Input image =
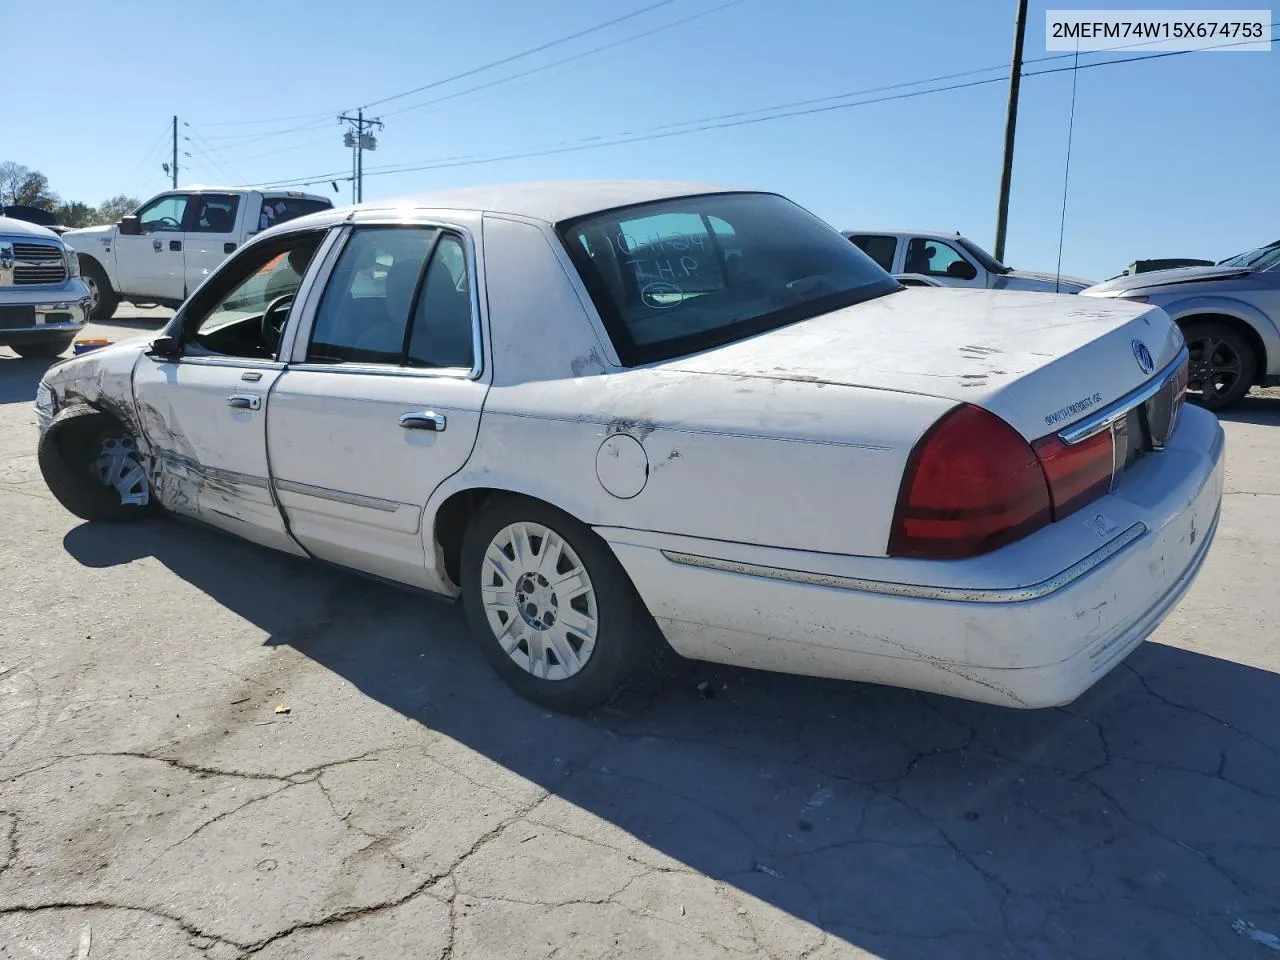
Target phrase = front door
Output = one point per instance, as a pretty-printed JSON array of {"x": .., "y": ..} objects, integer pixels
[
  {"x": 937, "y": 258},
  {"x": 204, "y": 412},
  {"x": 382, "y": 402},
  {"x": 152, "y": 263},
  {"x": 213, "y": 232}
]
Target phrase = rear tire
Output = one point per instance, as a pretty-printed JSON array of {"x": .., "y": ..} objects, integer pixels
[
  {"x": 80, "y": 449},
  {"x": 552, "y": 609},
  {"x": 1222, "y": 364},
  {"x": 102, "y": 299},
  {"x": 52, "y": 347}
]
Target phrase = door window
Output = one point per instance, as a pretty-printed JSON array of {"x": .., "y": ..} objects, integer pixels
[
  {"x": 933, "y": 258},
  {"x": 277, "y": 210},
  {"x": 164, "y": 214},
  {"x": 879, "y": 248},
  {"x": 228, "y": 316},
  {"x": 398, "y": 296},
  {"x": 215, "y": 213}
]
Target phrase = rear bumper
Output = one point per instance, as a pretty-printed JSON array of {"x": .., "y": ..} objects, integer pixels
[{"x": 1031, "y": 643}]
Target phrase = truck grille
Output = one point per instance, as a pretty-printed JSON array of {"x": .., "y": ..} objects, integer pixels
[{"x": 38, "y": 263}]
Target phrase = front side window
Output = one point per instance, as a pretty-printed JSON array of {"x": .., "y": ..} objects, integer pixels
[
  {"x": 164, "y": 214},
  {"x": 879, "y": 248},
  {"x": 399, "y": 296},
  {"x": 242, "y": 310},
  {"x": 216, "y": 213},
  {"x": 676, "y": 276},
  {"x": 933, "y": 258}
]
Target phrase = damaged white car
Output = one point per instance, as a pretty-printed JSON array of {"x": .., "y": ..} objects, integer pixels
[{"x": 618, "y": 416}]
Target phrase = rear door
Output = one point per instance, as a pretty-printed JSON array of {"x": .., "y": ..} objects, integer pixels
[
  {"x": 882, "y": 248},
  {"x": 381, "y": 402},
  {"x": 213, "y": 233}
]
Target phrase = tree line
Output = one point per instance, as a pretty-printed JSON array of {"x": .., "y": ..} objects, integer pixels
[{"x": 22, "y": 186}]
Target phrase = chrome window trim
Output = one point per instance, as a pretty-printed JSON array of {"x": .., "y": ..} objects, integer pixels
[
  {"x": 302, "y": 334},
  {"x": 1103, "y": 419},
  {"x": 1034, "y": 591}
]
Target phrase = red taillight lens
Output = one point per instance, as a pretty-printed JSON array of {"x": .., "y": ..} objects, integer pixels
[
  {"x": 1077, "y": 473},
  {"x": 972, "y": 485}
]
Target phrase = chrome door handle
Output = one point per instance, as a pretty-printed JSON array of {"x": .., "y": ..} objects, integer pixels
[
  {"x": 155, "y": 244},
  {"x": 426, "y": 420},
  {"x": 244, "y": 401}
]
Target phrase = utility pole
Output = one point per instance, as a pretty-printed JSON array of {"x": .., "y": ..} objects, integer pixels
[
  {"x": 359, "y": 141},
  {"x": 175, "y": 151},
  {"x": 1010, "y": 125}
]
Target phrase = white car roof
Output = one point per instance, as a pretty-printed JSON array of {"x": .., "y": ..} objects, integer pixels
[
  {"x": 938, "y": 234},
  {"x": 550, "y": 201}
]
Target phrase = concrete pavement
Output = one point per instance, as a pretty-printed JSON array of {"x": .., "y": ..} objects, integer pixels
[{"x": 154, "y": 803}]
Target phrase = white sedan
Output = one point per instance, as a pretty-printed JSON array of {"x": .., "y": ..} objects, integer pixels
[{"x": 616, "y": 417}]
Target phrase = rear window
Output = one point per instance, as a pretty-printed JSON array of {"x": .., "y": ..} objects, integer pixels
[{"x": 677, "y": 276}]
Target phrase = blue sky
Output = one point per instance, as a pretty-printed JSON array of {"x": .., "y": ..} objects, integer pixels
[{"x": 1174, "y": 157}]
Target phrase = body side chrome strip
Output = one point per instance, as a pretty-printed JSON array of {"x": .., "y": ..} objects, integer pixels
[{"x": 1032, "y": 591}]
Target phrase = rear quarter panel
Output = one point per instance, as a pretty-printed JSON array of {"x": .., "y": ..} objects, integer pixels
[{"x": 783, "y": 463}]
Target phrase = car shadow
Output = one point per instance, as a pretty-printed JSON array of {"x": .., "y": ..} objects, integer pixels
[
  {"x": 1140, "y": 821},
  {"x": 19, "y": 377}
]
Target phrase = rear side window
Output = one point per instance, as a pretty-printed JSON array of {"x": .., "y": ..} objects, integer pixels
[
  {"x": 677, "y": 276},
  {"x": 398, "y": 296},
  {"x": 277, "y": 210},
  {"x": 880, "y": 249}
]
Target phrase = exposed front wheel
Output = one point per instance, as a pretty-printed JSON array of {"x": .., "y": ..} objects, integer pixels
[
  {"x": 551, "y": 607},
  {"x": 47, "y": 348},
  {"x": 1221, "y": 364},
  {"x": 102, "y": 299},
  {"x": 92, "y": 466}
]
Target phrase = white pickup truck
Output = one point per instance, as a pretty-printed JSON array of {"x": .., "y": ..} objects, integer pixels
[
  {"x": 953, "y": 261},
  {"x": 164, "y": 250}
]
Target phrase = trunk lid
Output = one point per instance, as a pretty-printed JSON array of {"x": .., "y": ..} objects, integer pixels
[{"x": 1039, "y": 361}]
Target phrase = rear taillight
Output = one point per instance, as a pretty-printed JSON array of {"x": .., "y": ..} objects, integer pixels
[
  {"x": 1078, "y": 472},
  {"x": 972, "y": 484}
]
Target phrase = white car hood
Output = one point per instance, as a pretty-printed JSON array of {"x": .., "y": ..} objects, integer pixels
[
  {"x": 1039, "y": 361},
  {"x": 9, "y": 227},
  {"x": 84, "y": 238}
]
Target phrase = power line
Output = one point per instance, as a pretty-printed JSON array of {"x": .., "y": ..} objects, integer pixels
[
  {"x": 524, "y": 53},
  {"x": 741, "y": 118},
  {"x": 577, "y": 56},
  {"x": 136, "y": 179},
  {"x": 457, "y": 76}
]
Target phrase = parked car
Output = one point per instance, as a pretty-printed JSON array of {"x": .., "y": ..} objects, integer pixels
[
  {"x": 954, "y": 261},
  {"x": 618, "y": 416},
  {"x": 164, "y": 251},
  {"x": 1229, "y": 314},
  {"x": 43, "y": 304}
]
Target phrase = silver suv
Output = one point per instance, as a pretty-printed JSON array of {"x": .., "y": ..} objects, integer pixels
[
  {"x": 1229, "y": 314},
  {"x": 43, "y": 303}
]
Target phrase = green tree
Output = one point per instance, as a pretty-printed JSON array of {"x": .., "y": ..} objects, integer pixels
[
  {"x": 111, "y": 210},
  {"x": 24, "y": 186},
  {"x": 77, "y": 214}
]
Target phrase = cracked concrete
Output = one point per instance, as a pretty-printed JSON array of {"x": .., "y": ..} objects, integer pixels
[{"x": 154, "y": 804}]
